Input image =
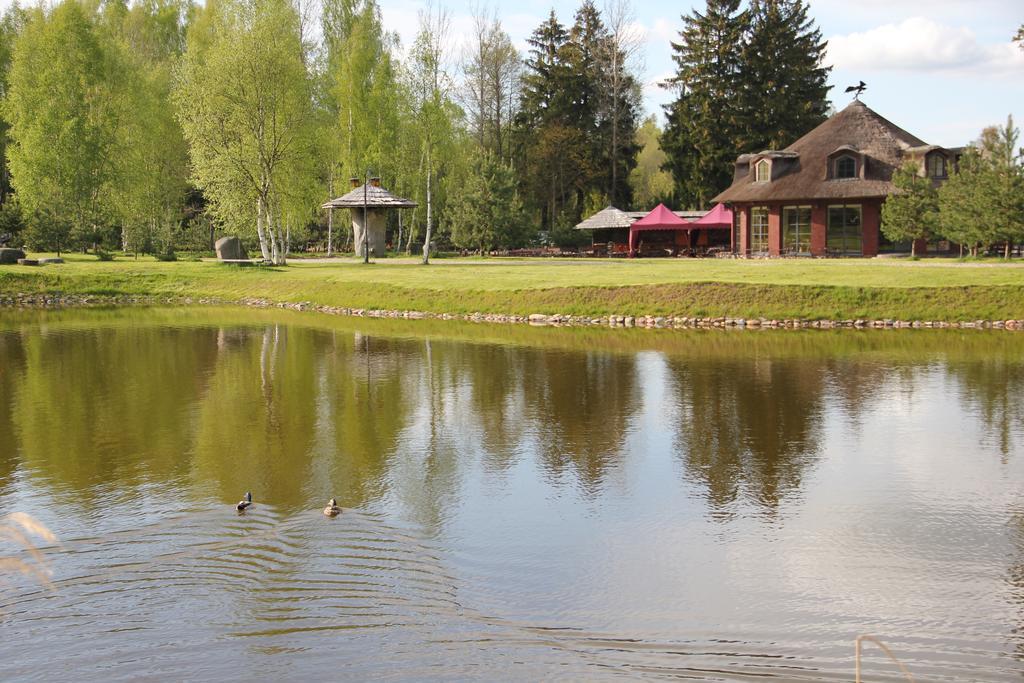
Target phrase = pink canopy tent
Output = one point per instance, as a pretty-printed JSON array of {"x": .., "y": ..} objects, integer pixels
[
  {"x": 658, "y": 219},
  {"x": 718, "y": 217}
]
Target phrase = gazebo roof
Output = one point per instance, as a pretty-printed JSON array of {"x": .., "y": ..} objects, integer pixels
[
  {"x": 374, "y": 197},
  {"x": 608, "y": 217}
]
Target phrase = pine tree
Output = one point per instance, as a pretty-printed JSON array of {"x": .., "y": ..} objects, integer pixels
[
  {"x": 784, "y": 85},
  {"x": 705, "y": 122}
]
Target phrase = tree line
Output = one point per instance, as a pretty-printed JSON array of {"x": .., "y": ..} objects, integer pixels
[
  {"x": 154, "y": 125},
  {"x": 979, "y": 206}
]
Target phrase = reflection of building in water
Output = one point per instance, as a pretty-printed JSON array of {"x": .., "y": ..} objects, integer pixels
[{"x": 748, "y": 429}]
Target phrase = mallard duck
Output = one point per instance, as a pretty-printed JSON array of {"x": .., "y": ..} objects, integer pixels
[
  {"x": 332, "y": 508},
  {"x": 245, "y": 502}
]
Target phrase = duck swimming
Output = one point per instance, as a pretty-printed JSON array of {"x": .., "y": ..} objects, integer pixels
[
  {"x": 332, "y": 508},
  {"x": 245, "y": 502}
]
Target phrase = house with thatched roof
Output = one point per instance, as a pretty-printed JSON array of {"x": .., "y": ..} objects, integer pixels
[{"x": 823, "y": 194}]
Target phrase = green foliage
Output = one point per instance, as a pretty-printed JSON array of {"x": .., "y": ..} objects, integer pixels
[
  {"x": 102, "y": 255},
  {"x": 577, "y": 116},
  {"x": 651, "y": 184},
  {"x": 910, "y": 212},
  {"x": 64, "y": 115},
  {"x": 245, "y": 104},
  {"x": 785, "y": 87},
  {"x": 745, "y": 81},
  {"x": 486, "y": 211},
  {"x": 983, "y": 204},
  {"x": 47, "y": 232},
  {"x": 12, "y": 221}
]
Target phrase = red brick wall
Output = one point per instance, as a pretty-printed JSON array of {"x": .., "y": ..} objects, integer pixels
[
  {"x": 774, "y": 229},
  {"x": 818, "y": 218}
]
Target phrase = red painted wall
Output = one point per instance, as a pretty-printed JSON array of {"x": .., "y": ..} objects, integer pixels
[
  {"x": 818, "y": 218},
  {"x": 775, "y": 230}
]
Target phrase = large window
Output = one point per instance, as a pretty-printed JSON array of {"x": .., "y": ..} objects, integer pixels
[
  {"x": 936, "y": 166},
  {"x": 844, "y": 230},
  {"x": 796, "y": 229},
  {"x": 762, "y": 171},
  {"x": 846, "y": 167},
  {"x": 759, "y": 230}
]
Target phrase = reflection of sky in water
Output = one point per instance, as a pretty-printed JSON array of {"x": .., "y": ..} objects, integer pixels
[{"x": 779, "y": 491}]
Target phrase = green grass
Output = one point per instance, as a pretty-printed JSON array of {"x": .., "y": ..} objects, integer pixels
[{"x": 902, "y": 289}]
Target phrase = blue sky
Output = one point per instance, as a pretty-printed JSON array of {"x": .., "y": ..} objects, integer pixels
[{"x": 941, "y": 69}]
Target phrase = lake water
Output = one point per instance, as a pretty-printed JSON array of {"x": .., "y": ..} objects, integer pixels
[{"x": 520, "y": 504}]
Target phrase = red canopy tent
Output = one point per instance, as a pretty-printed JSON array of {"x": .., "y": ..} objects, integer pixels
[
  {"x": 718, "y": 217},
  {"x": 658, "y": 219}
]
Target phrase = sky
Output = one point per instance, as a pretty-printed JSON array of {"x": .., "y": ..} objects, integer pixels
[{"x": 940, "y": 69}]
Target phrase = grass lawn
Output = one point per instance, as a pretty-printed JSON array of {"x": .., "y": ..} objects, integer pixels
[{"x": 832, "y": 288}]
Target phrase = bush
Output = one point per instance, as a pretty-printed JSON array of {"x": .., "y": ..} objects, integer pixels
[
  {"x": 170, "y": 256},
  {"x": 104, "y": 255}
]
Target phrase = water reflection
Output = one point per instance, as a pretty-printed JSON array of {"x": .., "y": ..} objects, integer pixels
[
  {"x": 582, "y": 501},
  {"x": 749, "y": 428}
]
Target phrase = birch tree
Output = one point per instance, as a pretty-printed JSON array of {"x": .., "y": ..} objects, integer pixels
[
  {"x": 245, "y": 104},
  {"x": 431, "y": 90}
]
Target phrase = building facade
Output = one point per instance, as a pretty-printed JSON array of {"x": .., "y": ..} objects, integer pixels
[{"x": 823, "y": 195}]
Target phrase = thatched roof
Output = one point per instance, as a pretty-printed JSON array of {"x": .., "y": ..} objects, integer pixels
[
  {"x": 375, "y": 197},
  {"x": 800, "y": 172},
  {"x": 610, "y": 217}
]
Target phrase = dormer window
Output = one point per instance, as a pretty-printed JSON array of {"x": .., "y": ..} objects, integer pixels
[
  {"x": 762, "y": 171},
  {"x": 846, "y": 167},
  {"x": 936, "y": 166}
]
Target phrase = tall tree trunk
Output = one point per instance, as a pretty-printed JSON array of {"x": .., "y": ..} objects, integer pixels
[
  {"x": 261, "y": 230},
  {"x": 330, "y": 217},
  {"x": 426, "y": 242}
]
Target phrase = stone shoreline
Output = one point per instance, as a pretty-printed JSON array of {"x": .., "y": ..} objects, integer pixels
[{"x": 536, "y": 319}]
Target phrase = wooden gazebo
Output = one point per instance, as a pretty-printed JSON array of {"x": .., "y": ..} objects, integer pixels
[{"x": 369, "y": 202}]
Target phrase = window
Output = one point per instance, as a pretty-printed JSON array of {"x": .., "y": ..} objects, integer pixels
[
  {"x": 844, "y": 234},
  {"x": 796, "y": 229},
  {"x": 846, "y": 167},
  {"x": 937, "y": 166},
  {"x": 762, "y": 171},
  {"x": 759, "y": 230}
]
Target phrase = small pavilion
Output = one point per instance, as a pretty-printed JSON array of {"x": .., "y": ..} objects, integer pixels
[{"x": 376, "y": 201}]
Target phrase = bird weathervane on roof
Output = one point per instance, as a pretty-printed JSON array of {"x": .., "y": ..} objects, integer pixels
[{"x": 857, "y": 89}]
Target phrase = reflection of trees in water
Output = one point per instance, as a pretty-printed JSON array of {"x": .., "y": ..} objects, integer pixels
[
  {"x": 12, "y": 377},
  {"x": 748, "y": 427},
  {"x": 99, "y": 406},
  {"x": 582, "y": 405},
  {"x": 994, "y": 388}
]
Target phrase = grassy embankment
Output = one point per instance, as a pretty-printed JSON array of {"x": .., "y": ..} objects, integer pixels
[{"x": 834, "y": 289}]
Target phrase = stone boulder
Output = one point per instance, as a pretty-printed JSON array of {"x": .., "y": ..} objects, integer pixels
[
  {"x": 230, "y": 249},
  {"x": 11, "y": 255}
]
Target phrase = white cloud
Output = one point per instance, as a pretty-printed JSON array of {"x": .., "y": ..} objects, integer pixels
[{"x": 920, "y": 44}]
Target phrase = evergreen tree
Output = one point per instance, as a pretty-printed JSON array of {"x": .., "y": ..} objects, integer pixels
[
  {"x": 909, "y": 213},
  {"x": 705, "y": 122},
  {"x": 486, "y": 211},
  {"x": 555, "y": 160},
  {"x": 784, "y": 85}
]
